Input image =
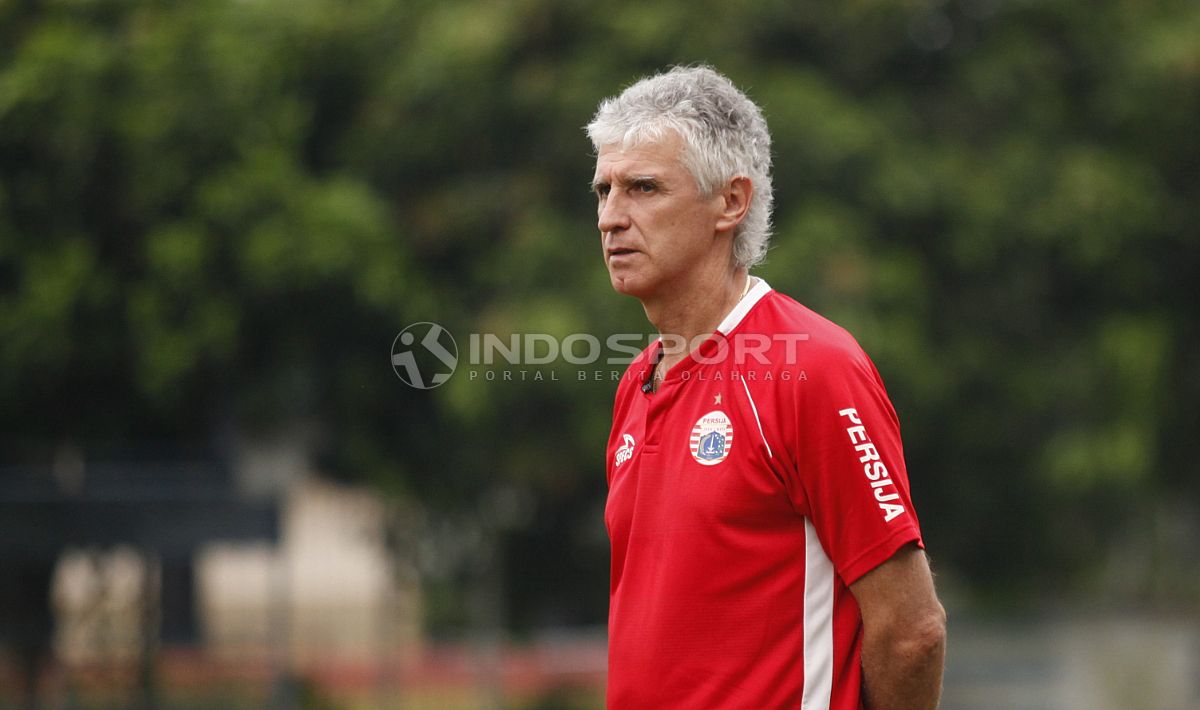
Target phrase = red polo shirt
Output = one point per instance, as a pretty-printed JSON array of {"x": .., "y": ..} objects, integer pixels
[{"x": 762, "y": 478}]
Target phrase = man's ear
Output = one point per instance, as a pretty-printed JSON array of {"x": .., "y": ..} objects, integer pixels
[{"x": 735, "y": 202}]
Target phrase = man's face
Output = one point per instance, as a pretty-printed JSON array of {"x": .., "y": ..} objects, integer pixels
[{"x": 656, "y": 229}]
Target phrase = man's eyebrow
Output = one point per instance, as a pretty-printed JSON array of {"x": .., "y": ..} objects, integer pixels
[{"x": 625, "y": 181}]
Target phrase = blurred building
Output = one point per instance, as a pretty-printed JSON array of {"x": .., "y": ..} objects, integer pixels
[
  {"x": 118, "y": 567},
  {"x": 324, "y": 592}
]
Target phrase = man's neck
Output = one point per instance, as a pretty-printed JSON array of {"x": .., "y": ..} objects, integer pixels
[{"x": 684, "y": 316}]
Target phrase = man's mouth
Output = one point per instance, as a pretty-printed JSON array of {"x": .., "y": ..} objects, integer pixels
[{"x": 621, "y": 251}]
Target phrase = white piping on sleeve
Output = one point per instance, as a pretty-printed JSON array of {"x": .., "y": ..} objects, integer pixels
[{"x": 754, "y": 408}]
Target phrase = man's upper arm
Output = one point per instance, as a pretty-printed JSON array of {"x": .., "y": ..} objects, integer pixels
[{"x": 850, "y": 469}]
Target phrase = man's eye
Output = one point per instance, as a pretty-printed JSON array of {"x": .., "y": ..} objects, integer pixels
[{"x": 645, "y": 187}]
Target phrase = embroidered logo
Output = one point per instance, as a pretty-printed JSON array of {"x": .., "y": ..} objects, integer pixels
[
  {"x": 712, "y": 437},
  {"x": 625, "y": 452}
]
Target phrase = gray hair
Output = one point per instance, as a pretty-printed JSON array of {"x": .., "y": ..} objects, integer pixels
[{"x": 723, "y": 131}]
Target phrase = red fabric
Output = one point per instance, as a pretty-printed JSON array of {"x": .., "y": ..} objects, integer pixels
[{"x": 707, "y": 598}]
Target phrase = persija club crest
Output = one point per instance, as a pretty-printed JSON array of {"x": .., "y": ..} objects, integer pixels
[{"x": 712, "y": 437}]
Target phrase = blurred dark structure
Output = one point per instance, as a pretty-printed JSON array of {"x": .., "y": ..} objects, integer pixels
[{"x": 164, "y": 510}]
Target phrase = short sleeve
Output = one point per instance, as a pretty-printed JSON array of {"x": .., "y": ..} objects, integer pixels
[{"x": 850, "y": 464}]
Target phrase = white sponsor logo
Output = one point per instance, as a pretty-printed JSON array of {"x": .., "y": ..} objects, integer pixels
[{"x": 625, "y": 452}]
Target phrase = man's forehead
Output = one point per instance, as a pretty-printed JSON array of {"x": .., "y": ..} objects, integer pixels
[{"x": 659, "y": 154}]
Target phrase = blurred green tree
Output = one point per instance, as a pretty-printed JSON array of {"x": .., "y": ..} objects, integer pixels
[{"x": 218, "y": 214}]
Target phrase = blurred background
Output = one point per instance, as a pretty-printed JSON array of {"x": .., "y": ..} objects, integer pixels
[{"x": 216, "y": 216}]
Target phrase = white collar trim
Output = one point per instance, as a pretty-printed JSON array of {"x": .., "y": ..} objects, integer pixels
[{"x": 752, "y": 297}]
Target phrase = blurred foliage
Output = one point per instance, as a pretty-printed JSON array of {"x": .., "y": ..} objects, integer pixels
[{"x": 218, "y": 214}]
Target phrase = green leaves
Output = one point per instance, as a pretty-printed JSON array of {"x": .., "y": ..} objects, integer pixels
[{"x": 220, "y": 210}]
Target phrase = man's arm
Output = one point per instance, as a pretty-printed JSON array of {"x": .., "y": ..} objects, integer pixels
[{"x": 904, "y": 633}]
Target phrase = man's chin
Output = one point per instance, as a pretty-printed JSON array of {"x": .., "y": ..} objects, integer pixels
[{"x": 628, "y": 285}]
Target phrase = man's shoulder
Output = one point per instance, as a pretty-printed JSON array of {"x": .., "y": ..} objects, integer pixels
[{"x": 791, "y": 324}]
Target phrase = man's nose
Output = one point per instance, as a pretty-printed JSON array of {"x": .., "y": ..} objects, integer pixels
[{"x": 613, "y": 216}]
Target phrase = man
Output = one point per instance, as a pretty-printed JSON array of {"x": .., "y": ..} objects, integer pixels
[{"x": 765, "y": 551}]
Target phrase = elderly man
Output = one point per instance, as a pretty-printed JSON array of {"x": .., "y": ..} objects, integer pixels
[{"x": 765, "y": 551}]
